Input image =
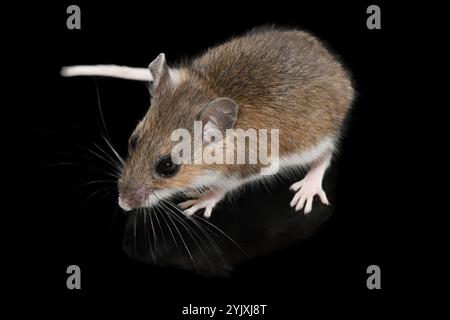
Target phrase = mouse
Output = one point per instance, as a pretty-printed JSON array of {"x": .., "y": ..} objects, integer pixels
[{"x": 284, "y": 79}]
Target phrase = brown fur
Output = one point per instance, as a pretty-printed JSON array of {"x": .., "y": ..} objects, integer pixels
[{"x": 281, "y": 79}]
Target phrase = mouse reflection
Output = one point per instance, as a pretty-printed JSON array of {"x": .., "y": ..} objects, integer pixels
[{"x": 249, "y": 225}]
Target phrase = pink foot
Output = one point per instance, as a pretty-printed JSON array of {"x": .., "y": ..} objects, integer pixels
[
  {"x": 207, "y": 201},
  {"x": 310, "y": 186}
]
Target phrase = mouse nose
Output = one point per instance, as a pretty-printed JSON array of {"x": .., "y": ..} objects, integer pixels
[{"x": 132, "y": 197}]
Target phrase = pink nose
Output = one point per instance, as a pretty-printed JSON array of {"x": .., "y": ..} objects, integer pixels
[{"x": 132, "y": 198}]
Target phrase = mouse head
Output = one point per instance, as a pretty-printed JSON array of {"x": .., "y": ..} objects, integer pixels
[{"x": 180, "y": 97}]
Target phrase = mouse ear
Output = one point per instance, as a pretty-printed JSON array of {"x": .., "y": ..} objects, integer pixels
[
  {"x": 159, "y": 71},
  {"x": 220, "y": 114}
]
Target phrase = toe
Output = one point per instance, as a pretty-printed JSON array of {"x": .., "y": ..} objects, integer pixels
[
  {"x": 295, "y": 198},
  {"x": 187, "y": 204},
  {"x": 301, "y": 203},
  {"x": 207, "y": 212},
  {"x": 308, "y": 206},
  {"x": 323, "y": 198},
  {"x": 296, "y": 186},
  {"x": 189, "y": 212}
]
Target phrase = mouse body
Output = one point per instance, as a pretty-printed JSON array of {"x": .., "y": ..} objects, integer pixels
[{"x": 270, "y": 78}]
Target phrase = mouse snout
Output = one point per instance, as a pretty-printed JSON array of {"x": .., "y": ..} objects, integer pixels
[{"x": 132, "y": 197}]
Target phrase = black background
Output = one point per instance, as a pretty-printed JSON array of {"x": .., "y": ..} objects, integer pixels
[{"x": 64, "y": 229}]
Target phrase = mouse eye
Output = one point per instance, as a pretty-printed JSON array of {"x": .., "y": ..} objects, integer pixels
[
  {"x": 133, "y": 140},
  {"x": 166, "y": 168}
]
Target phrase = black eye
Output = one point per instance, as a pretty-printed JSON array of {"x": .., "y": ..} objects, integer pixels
[
  {"x": 133, "y": 140},
  {"x": 166, "y": 168}
]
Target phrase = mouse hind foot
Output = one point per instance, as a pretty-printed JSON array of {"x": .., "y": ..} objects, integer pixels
[{"x": 310, "y": 186}]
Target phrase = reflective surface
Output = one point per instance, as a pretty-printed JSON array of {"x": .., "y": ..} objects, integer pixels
[{"x": 254, "y": 221}]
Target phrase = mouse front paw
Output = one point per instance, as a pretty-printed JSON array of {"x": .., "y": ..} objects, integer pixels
[{"x": 207, "y": 201}]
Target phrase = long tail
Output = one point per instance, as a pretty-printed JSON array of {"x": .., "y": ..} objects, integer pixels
[{"x": 140, "y": 74}]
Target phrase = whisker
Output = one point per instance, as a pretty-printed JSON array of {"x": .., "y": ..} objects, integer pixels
[
  {"x": 105, "y": 135},
  {"x": 222, "y": 232},
  {"x": 149, "y": 214},
  {"x": 135, "y": 233},
  {"x": 211, "y": 240},
  {"x": 181, "y": 237},
  {"x": 114, "y": 165},
  {"x": 184, "y": 242},
  {"x": 94, "y": 182},
  {"x": 66, "y": 153},
  {"x": 170, "y": 230},
  {"x": 118, "y": 164},
  {"x": 114, "y": 151},
  {"x": 107, "y": 193},
  {"x": 146, "y": 236},
  {"x": 96, "y": 170},
  {"x": 213, "y": 243},
  {"x": 56, "y": 164},
  {"x": 160, "y": 228},
  {"x": 93, "y": 194},
  {"x": 114, "y": 216},
  {"x": 100, "y": 108},
  {"x": 189, "y": 229}
]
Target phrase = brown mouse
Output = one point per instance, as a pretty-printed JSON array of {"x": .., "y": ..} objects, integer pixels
[{"x": 269, "y": 78}]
